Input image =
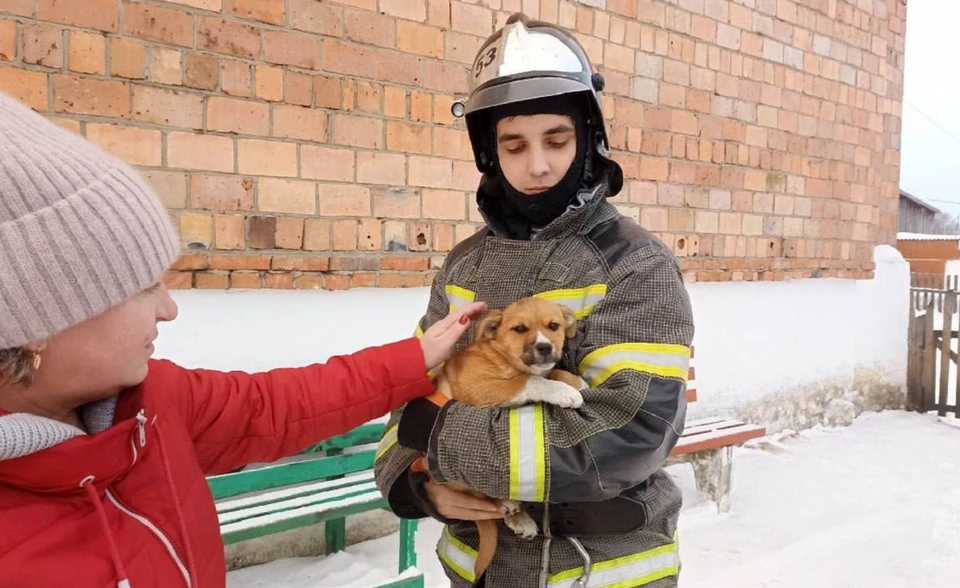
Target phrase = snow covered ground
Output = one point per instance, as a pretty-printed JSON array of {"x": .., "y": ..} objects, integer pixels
[{"x": 873, "y": 505}]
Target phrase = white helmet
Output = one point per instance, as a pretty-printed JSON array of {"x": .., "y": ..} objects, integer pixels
[{"x": 525, "y": 60}]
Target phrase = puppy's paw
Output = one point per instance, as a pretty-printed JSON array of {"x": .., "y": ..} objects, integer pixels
[
  {"x": 566, "y": 396},
  {"x": 509, "y": 507},
  {"x": 583, "y": 385},
  {"x": 522, "y": 525}
]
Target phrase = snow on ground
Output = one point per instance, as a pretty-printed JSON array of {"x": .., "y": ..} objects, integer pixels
[{"x": 874, "y": 505}]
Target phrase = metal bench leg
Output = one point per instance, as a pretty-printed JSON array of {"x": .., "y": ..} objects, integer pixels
[
  {"x": 712, "y": 469},
  {"x": 336, "y": 534}
]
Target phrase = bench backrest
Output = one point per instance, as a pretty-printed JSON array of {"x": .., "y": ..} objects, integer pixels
[{"x": 326, "y": 460}]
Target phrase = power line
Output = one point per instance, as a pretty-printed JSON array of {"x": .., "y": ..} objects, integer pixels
[{"x": 935, "y": 123}]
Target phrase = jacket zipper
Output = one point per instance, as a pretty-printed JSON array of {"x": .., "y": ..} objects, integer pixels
[{"x": 142, "y": 433}]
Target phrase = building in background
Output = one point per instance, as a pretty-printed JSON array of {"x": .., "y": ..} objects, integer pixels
[{"x": 305, "y": 144}]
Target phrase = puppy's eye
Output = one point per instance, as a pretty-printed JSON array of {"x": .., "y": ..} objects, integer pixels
[
  {"x": 553, "y": 326},
  {"x": 520, "y": 329}
]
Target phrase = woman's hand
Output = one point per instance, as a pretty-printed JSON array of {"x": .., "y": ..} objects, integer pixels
[
  {"x": 438, "y": 341},
  {"x": 463, "y": 506}
]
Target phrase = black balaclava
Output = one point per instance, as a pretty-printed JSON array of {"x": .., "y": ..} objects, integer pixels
[{"x": 540, "y": 209}]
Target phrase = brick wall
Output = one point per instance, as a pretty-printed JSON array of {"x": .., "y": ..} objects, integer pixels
[{"x": 308, "y": 143}]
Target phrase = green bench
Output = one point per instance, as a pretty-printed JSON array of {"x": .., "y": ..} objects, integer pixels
[{"x": 330, "y": 482}]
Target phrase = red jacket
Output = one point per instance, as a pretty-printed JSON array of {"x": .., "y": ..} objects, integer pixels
[{"x": 129, "y": 506}]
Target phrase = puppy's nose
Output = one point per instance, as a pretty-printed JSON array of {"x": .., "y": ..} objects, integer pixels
[{"x": 544, "y": 348}]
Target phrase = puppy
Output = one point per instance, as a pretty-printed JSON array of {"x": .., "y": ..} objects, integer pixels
[{"x": 510, "y": 363}]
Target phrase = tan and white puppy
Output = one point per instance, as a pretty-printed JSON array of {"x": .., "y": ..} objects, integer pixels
[{"x": 511, "y": 362}]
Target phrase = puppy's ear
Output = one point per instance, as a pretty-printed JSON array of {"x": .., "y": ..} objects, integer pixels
[
  {"x": 569, "y": 321},
  {"x": 487, "y": 327}
]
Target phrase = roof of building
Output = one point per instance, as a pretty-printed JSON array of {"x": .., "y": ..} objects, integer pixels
[{"x": 918, "y": 202}]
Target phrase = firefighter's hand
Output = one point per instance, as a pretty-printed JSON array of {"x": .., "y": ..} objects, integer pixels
[{"x": 454, "y": 504}]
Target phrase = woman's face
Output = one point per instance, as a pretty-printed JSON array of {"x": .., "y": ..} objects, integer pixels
[
  {"x": 535, "y": 151},
  {"x": 108, "y": 352}
]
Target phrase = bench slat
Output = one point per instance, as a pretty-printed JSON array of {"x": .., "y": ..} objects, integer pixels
[
  {"x": 720, "y": 437},
  {"x": 278, "y": 495},
  {"x": 330, "y": 499},
  {"x": 300, "y": 517},
  {"x": 265, "y": 478}
]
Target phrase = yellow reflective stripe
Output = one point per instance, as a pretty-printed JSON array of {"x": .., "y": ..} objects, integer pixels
[
  {"x": 458, "y": 296},
  {"x": 527, "y": 454},
  {"x": 580, "y": 300},
  {"x": 458, "y": 556},
  {"x": 388, "y": 440},
  {"x": 660, "y": 359},
  {"x": 418, "y": 332},
  {"x": 626, "y": 572}
]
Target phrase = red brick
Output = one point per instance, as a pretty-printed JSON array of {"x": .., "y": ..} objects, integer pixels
[
  {"x": 420, "y": 39},
  {"x": 203, "y": 152},
  {"x": 196, "y": 230},
  {"x": 235, "y": 78},
  {"x": 87, "y": 52},
  {"x": 368, "y": 95},
  {"x": 209, "y": 281},
  {"x": 202, "y": 71},
  {"x": 43, "y": 45},
  {"x": 345, "y": 58},
  {"x": 171, "y": 187},
  {"x": 443, "y": 204},
  {"x": 133, "y": 145},
  {"x": 178, "y": 280},
  {"x": 166, "y": 67},
  {"x": 8, "y": 40},
  {"x": 381, "y": 168},
  {"x": 228, "y": 37},
  {"x": 102, "y": 15},
  {"x": 30, "y": 87},
  {"x": 654, "y": 169},
  {"x": 269, "y": 11},
  {"x": 344, "y": 200},
  {"x": 232, "y": 115},
  {"x": 430, "y": 172},
  {"x": 289, "y": 232},
  {"x": 290, "y": 196},
  {"x": 214, "y": 5},
  {"x": 345, "y": 235},
  {"x": 217, "y": 192},
  {"x": 167, "y": 107},
  {"x": 19, "y": 7},
  {"x": 277, "y": 281},
  {"x": 316, "y": 234},
  {"x": 269, "y": 83},
  {"x": 88, "y": 96},
  {"x": 460, "y": 47},
  {"x": 245, "y": 280},
  {"x": 395, "y": 102},
  {"x": 400, "y": 68},
  {"x": 127, "y": 59},
  {"x": 408, "y": 138},
  {"x": 316, "y": 17},
  {"x": 229, "y": 231},
  {"x": 452, "y": 143},
  {"x": 370, "y": 28},
  {"x": 326, "y": 163},
  {"x": 396, "y": 203},
  {"x": 191, "y": 261},
  {"x": 155, "y": 23},
  {"x": 406, "y": 9},
  {"x": 357, "y": 131},
  {"x": 297, "y": 49},
  {"x": 298, "y": 122},
  {"x": 297, "y": 88},
  {"x": 336, "y": 282},
  {"x": 370, "y": 235}
]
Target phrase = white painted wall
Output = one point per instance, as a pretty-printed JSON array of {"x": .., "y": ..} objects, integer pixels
[{"x": 753, "y": 339}]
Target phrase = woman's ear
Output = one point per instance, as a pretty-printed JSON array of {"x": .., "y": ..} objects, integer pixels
[
  {"x": 487, "y": 327},
  {"x": 570, "y": 321}
]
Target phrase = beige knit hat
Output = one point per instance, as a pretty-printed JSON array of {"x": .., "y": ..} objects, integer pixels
[{"x": 80, "y": 230}]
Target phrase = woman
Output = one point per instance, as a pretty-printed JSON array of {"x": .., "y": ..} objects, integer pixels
[
  {"x": 591, "y": 477},
  {"x": 103, "y": 451}
]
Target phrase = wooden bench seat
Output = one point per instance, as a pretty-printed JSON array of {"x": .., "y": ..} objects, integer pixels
[{"x": 707, "y": 444}]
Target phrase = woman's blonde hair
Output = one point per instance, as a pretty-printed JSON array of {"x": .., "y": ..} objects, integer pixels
[{"x": 16, "y": 366}]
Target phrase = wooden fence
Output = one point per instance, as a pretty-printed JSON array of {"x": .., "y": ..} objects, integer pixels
[{"x": 929, "y": 385}]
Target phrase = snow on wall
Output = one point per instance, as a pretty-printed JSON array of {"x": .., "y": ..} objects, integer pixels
[{"x": 802, "y": 342}]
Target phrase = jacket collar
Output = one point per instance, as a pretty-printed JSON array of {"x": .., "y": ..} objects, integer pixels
[
  {"x": 588, "y": 209},
  {"x": 43, "y": 455}
]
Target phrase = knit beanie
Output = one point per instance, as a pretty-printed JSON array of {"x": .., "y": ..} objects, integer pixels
[{"x": 80, "y": 231}]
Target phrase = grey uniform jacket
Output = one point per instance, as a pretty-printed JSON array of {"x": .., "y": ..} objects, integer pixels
[{"x": 632, "y": 347}]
